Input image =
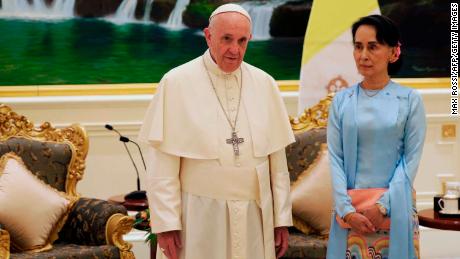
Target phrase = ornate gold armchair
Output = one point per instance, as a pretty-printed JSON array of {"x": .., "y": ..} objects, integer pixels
[
  {"x": 94, "y": 228},
  {"x": 310, "y": 133}
]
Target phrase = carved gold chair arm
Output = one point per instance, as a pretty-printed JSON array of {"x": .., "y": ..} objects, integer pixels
[
  {"x": 117, "y": 226},
  {"x": 4, "y": 244},
  {"x": 313, "y": 117}
]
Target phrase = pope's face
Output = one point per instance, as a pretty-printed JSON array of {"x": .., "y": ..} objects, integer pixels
[{"x": 227, "y": 37}]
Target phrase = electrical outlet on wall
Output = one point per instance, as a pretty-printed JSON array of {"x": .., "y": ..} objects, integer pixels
[{"x": 449, "y": 130}]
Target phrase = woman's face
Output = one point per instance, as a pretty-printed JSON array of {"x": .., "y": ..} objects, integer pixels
[{"x": 371, "y": 57}]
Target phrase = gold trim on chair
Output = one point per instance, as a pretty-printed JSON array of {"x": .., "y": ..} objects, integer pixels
[
  {"x": 314, "y": 117},
  {"x": 117, "y": 226},
  {"x": 4, "y": 244},
  {"x": 15, "y": 125}
]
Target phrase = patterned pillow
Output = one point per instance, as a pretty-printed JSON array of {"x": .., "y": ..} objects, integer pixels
[
  {"x": 31, "y": 211},
  {"x": 311, "y": 193},
  {"x": 304, "y": 150}
]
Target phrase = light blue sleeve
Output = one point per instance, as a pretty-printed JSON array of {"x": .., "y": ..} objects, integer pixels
[
  {"x": 414, "y": 137},
  {"x": 335, "y": 145}
]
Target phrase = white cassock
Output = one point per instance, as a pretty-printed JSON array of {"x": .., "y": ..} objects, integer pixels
[{"x": 226, "y": 206}]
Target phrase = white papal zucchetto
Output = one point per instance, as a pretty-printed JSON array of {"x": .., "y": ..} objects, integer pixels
[{"x": 230, "y": 8}]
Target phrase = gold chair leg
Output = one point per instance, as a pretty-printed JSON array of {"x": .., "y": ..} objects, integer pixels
[
  {"x": 117, "y": 226},
  {"x": 4, "y": 244}
]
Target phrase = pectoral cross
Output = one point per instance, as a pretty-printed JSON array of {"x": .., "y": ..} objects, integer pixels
[{"x": 235, "y": 140}]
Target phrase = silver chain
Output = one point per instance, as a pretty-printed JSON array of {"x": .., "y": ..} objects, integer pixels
[
  {"x": 232, "y": 125},
  {"x": 370, "y": 95}
]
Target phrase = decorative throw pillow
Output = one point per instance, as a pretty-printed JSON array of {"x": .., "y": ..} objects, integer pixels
[
  {"x": 301, "y": 154},
  {"x": 31, "y": 211},
  {"x": 311, "y": 193}
]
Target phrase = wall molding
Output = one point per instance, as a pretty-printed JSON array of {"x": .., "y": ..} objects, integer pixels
[
  {"x": 441, "y": 117},
  {"x": 150, "y": 88},
  {"x": 97, "y": 129}
]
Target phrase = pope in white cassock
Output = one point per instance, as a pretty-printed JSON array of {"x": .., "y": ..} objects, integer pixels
[{"x": 217, "y": 129}]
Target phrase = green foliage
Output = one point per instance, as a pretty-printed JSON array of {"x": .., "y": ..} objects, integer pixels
[
  {"x": 151, "y": 238},
  {"x": 142, "y": 222},
  {"x": 201, "y": 9}
]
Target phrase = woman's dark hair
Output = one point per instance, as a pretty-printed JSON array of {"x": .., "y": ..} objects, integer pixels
[{"x": 386, "y": 33}]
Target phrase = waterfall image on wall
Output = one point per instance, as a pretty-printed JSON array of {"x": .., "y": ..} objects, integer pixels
[
  {"x": 37, "y": 9},
  {"x": 124, "y": 41}
]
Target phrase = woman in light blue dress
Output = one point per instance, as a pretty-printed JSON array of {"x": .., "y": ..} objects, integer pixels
[{"x": 375, "y": 133}]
